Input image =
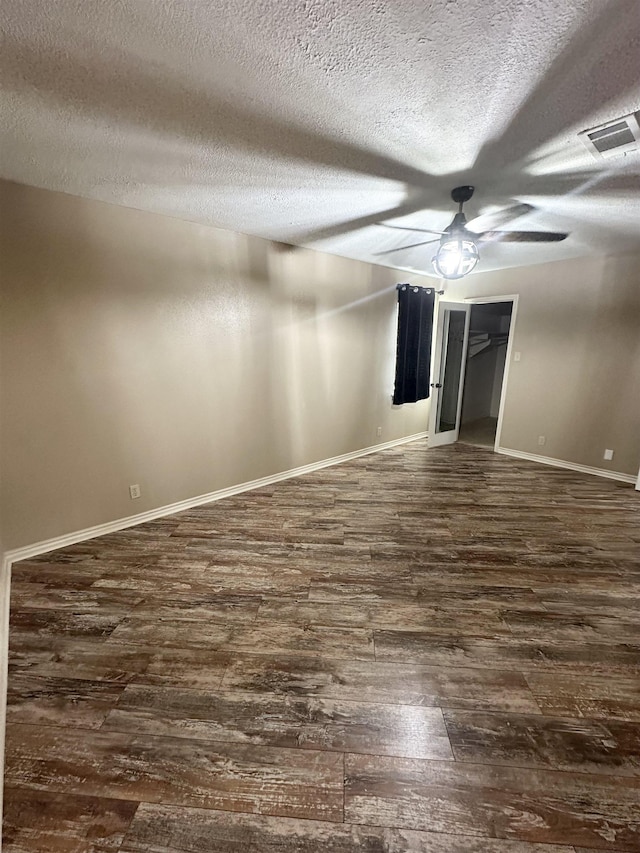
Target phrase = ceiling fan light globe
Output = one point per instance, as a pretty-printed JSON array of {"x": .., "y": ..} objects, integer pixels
[{"x": 456, "y": 258}]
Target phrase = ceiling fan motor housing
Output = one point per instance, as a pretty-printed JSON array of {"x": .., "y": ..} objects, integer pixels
[
  {"x": 462, "y": 194},
  {"x": 457, "y": 254},
  {"x": 458, "y": 224}
]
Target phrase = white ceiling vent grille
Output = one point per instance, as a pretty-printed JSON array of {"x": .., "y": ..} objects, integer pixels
[{"x": 613, "y": 138}]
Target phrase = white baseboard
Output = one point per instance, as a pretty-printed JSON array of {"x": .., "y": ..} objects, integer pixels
[
  {"x": 131, "y": 521},
  {"x": 37, "y": 548},
  {"x": 13, "y": 556},
  {"x": 5, "y": 583},
  {"x": 571, "y": 466}
]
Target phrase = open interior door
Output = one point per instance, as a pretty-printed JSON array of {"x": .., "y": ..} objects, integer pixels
[{"x": 450, "y": 356}]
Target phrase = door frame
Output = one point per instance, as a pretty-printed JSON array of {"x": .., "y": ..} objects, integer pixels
[{"x": 483, "y": 300}]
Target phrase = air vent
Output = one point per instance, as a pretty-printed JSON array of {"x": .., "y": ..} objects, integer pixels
[{"x": 613, "y": 138}]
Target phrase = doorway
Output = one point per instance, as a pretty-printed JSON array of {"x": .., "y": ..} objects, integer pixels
[
  {"x": 471, "y": 354},
  {"x": 489, "y": 326}
]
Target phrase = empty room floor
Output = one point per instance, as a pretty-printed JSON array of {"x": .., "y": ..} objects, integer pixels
[
  {"x": 481, "y": 432},
  {"x": 421, "y": 650}
]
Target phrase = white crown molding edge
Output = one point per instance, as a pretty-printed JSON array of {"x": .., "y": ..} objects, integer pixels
[{"x": 571, "y": 466}]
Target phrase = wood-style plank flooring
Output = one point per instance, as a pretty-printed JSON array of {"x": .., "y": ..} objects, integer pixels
[{"x": 434, "y": 651}]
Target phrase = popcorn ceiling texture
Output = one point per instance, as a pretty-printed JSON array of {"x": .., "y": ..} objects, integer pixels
[{"x": 309, "y": 120}]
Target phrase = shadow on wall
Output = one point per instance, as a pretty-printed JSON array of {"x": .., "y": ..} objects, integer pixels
[
  {"x": 326, "y": 352},
  {"x": 219, "y": 362}
]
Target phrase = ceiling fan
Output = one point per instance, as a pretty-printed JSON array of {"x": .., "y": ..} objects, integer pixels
[{"x": 458, "y": 252}]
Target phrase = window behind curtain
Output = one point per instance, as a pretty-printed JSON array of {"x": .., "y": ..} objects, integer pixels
[{"x": 413, "y": 354}]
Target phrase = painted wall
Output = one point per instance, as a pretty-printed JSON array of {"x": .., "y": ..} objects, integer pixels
[
  {"x": 578, "y": 380},
  {"x": 137, "y": 348}
]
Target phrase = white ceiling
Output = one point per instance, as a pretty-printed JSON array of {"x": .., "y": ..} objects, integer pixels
[{"x": 306, "y": 121}]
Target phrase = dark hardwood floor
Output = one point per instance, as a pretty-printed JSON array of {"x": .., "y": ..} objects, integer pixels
[{"x": 434, "y": 651}]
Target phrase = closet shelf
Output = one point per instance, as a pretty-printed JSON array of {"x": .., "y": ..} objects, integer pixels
[{"x": 484, "y": 341}]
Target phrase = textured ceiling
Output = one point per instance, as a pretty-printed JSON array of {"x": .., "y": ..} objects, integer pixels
[{"x": 307, "y": 121}]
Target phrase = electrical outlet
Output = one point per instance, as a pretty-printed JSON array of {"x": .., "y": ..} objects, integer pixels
[
  {"x": 516, "y": 356},
  {"x": 134, "y": 492},
  {"x": 608, "y": 455},
  {"x": 379, "y": 432},
  {"x": 542, "y": 440}
]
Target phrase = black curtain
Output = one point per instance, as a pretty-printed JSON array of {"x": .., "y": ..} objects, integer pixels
[{"x": 413, "y": 355}]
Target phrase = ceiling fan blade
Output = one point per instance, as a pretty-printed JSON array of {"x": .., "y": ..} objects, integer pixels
[
  {"x": 486, "y": 221},
  {"x": 339, "y": 228},
  {"x": 406, "y": 228},
  {"x": 400, "y": 248},
  {"x": 521, "y": 236}
]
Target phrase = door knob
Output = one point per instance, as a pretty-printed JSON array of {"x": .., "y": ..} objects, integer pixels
[{"x": 436, "y": 385}]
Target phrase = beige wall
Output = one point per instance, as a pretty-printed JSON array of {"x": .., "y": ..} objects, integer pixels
[
  {"x": 578, "y": 380},
  {"x": 137, "y": 348},
  {"x": 142, "y": 349}
]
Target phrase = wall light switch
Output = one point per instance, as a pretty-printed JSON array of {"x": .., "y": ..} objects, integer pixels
[
  {"x": 379, "y": 432},
  {"x": 516, "y": 356},
  {"x": 542, "y": 440},
  {"x": 608, "y": 455},
  {"x": 134, "y": 492}
]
